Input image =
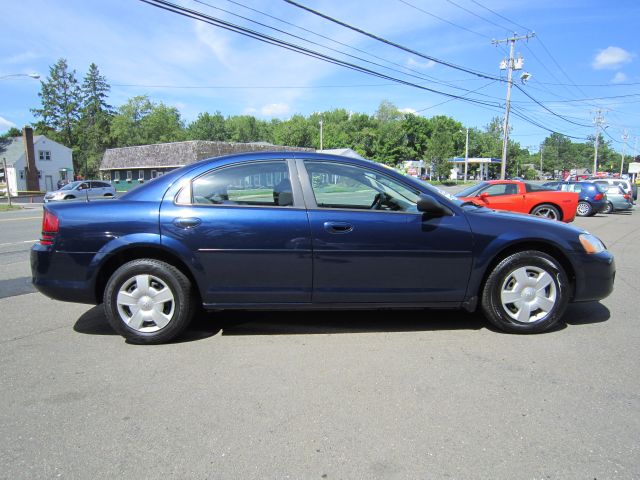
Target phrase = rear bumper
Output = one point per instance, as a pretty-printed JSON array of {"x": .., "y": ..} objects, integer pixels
[
  {"x": 62, "y": 276},
  {"x": 595, "y": 277}
]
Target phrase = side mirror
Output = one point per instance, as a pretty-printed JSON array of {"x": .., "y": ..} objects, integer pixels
[
  {"x": 483, "y": 196},
  {"x": 430, "y": 206}
]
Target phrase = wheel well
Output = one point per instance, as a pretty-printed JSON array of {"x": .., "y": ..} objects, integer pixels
[
  {"x": 550, "y": 204},
  {"x": 135, "y": 253},
  {"x": 551, "y": 250}
]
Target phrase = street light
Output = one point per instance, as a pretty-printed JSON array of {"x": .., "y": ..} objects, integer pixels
[{"x": 35, "y": 76}]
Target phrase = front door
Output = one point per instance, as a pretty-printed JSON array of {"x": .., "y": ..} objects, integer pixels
[
  {"x": 371, "y": 245},
  {"x": 48, "y": 183},
  {"x": 246, "y": 227}
]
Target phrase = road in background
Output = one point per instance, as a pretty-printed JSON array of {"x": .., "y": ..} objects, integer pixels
[{"x": 376, "y": 395}]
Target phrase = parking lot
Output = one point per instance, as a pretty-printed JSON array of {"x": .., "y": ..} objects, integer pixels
[{"x": 403, "y": 394}]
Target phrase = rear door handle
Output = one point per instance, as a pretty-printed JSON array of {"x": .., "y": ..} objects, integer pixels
[
  {"x": 188, "y": 222},
  {"x": 338, "y": 227}
]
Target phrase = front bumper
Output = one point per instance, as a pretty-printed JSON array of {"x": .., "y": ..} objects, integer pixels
[{"x": 595, "y": 276}]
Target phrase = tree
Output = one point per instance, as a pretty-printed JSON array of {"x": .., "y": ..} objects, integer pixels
[
  {"x": 95, "y": 120},
  {"x": 12, "y": 132},
  {"x": 142, "y": 122},
  {"x": 208, "y": 127},
  {"x": 61, "y": 104}
]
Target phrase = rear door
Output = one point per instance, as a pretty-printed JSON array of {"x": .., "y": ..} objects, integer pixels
[{"x": 245, "y": 228}]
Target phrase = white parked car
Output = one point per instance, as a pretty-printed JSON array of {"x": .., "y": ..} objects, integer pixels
[{"x": 82, "y": 190}]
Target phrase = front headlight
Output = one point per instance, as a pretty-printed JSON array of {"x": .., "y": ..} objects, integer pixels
[{"x": 591, "y": 243}]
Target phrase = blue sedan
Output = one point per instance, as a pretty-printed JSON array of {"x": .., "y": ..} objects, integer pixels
[{"x": 288, "y": 230}]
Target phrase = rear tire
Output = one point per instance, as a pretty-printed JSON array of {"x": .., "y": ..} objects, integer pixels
[
  {"x": 608, "y": 208},
  {"x": 527, "y": 292},
  {"x": 148, "y": 301},
  {"x": 547, "y": 210},
  {"x": 584, "y": 209}
]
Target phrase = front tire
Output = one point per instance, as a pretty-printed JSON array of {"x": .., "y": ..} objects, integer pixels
[
  {"x": 527, "y": 292},
  {"x": 148, "y": 301},
  {"x": 584, "y": 209}
]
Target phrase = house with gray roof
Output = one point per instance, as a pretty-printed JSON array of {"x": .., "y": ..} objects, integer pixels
[
  {"x": 128, "y": 167},
  {"x": 36, "y": 163}
]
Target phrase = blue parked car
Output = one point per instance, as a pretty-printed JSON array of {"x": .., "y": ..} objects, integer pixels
[
  {"x": 288, "y": 230},
  {"x": 593, "y": 197}
]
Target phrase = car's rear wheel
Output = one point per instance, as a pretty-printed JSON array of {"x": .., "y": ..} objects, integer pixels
[
  {"x": 148, "y": 301},
  {"x": 547, "y": 211},
  {"x": 608, "y": 208},
  {"x": 527, "y": 292},
  {"x": 584, "y": 209}
]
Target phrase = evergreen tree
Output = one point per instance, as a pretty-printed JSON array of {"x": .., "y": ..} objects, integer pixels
[
  {"x": 94, "y": 121},
  {"x": 61, "y": 104}
]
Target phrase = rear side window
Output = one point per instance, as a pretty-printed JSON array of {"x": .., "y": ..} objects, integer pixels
[{"x": 254, "y": 184}]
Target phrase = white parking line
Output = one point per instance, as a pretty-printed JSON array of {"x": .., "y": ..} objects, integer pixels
[
  {"x": 17, "y": 218},
  {"x": 17, "y": 243}
]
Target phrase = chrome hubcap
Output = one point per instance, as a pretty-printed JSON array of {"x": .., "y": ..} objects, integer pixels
[
  {"x": 547, "y": 213},
  {"x": 145, "y": 303},
  {"x": 583, "y": 208},
  {"x": 528, "y": 294}
]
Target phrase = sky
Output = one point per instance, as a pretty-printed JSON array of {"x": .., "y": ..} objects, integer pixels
[{"x": 582, "y": 59}]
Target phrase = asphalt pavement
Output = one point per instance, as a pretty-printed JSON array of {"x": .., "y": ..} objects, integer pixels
[{"x": 340, "y": 395}]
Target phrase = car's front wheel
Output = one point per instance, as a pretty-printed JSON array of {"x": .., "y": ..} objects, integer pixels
[
  {"x": 527, "y": 292},
  {"x": 148, "y": 301}
]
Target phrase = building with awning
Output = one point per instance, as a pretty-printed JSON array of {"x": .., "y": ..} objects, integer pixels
[{"x": 482, "y": 162}]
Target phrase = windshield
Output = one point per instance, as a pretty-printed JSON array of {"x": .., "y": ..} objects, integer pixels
[{"x": 70, "y": 186}]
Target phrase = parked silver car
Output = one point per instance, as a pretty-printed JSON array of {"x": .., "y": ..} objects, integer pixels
[
  {"x": 617, "y": 199},
  {"x": 624, "y": 183},
  {"x": 82, "y": 190}
]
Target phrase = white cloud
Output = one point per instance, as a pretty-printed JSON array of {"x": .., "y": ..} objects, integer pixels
[
  {"x": 619, "y": 78},
  {"x": 5, "y": 124},
  {"x": 275, "y": 110},
  {"x": 611, "y": 58},
  {"x": 407, "y": 110},
  {"x": 214, "y": 39},
  {"x": 424, "y": 65}
]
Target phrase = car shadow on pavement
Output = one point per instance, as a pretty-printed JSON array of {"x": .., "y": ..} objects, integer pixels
[{"x": 205, "y": 325}]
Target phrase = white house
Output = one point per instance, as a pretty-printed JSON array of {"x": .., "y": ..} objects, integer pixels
[{"x": 53, "y": 162}]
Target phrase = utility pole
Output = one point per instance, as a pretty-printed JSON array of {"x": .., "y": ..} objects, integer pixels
[
  {"x": 6, "y": 180},
  {"x": 625, "y": 136},
  {"x": 541, "y": 149},
  {"x": 598, "y": 120},
  {"x": 510, "y": 65},
  {"x": 320, "y": 133},
  {"x": 466, "y": 156}
]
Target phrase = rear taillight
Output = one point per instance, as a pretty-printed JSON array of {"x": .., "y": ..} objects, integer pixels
[
  {"x": 598, "y": 197},
  {"x": 50, "y": 227}
]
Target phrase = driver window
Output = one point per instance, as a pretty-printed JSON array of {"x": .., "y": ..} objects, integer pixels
[
  {"x": 337, "y": 185},
  {"x": 501, "y": 189}
]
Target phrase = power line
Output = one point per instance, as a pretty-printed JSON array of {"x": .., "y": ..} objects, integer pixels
[
  {"x": 171, "y": 7},
  {"x": 393, "y": 44},
  {"x": 479, "y": 16},
  {"x": 254, "y": 87},
  {"x": 421, "y": 74},
  {"x": 444, "y": 19},
  {"x": 502, "y": 16}
]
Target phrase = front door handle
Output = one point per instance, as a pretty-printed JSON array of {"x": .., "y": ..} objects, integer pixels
[
  {"x": 338, "y": 227},
  {"x": 186, "y": 222}
]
